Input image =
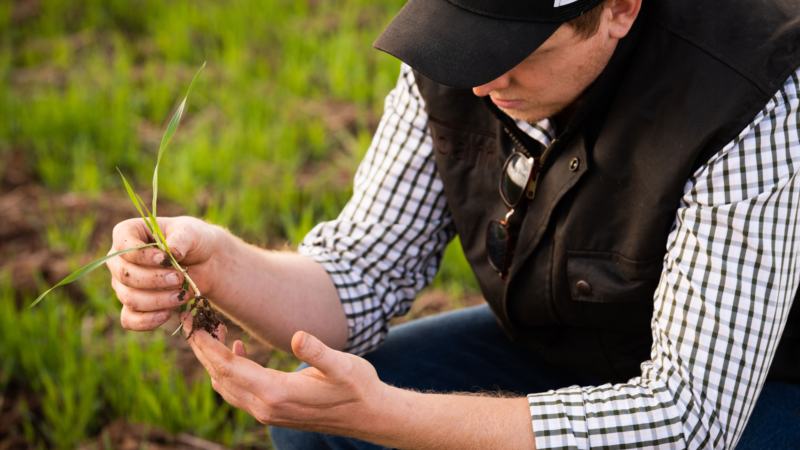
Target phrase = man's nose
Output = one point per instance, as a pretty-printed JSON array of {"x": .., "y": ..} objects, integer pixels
[{"x": 501, "y": 82}]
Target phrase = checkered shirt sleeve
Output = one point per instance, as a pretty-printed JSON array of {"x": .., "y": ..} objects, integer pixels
[
  {"x": 729, "y": 277},
  {"x": 387, "y": 243}
]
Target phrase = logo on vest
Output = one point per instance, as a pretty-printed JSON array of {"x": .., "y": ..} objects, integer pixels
[{"x": 462, "y": 150}]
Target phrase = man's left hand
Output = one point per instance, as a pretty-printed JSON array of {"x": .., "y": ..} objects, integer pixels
[
  {"x": 336, "y": 394},
  {"x": 342, "y": 394}
]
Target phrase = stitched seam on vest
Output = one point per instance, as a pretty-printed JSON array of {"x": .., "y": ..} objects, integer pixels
[
  {"x": 711, "y": 51},
  {"x": 607, "y": 256},
  {"x": 461, "y": 127}
]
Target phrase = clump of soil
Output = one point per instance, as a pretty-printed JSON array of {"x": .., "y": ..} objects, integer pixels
[{"x": 205, "y": 319}]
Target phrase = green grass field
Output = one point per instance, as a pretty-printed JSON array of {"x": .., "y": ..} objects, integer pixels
[{"x": 268, "y": 146}]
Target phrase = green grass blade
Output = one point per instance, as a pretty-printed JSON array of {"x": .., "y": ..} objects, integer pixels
[
  {"x": 147, "y": 217},
  {"x": 134, "y": 199},
  {"x": 154, "y": 228},
  {"x": 86, "y": 269},
  {"x": 158, "y": 231},
  {"x": 173, "y": 125},
  {"x": 159, "y": 237}
]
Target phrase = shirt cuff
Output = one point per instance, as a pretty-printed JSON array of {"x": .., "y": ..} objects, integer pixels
[{"x": 366, "y": 329}]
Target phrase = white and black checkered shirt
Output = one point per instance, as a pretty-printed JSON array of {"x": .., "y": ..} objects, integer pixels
[{"x": 727, "y": 285}]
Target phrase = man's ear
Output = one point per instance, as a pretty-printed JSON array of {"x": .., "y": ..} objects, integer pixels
[{"x": 620, "y": 15}]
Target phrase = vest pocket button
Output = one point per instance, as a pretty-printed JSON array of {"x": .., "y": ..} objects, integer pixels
[
  {"x": 574, "y": 164},
  {"x": 584, "y": 288}
]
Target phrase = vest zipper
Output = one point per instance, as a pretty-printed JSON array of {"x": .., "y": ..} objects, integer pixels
[
  {"x": 545, "y": 154},
  {"x": 538, "y": 163},
  {"x": 517, "y": 141}
]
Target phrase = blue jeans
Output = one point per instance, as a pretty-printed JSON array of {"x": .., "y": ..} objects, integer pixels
[{"x": 466, "y": 350}]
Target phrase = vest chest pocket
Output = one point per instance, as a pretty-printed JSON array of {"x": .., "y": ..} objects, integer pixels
[
  {"x": 458, "y": 142},
  {"x": 610, "y": 278}
]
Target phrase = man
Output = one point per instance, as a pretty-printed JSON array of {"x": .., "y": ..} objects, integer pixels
[{"x": 644, "y": 234}]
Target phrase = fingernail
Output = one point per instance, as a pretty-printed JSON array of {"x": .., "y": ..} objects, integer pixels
[
  {"x": 175, "y": 253},
  {"x": 186, "y": 321},
  {"x": 239, "y": 349},
  {"x": 179, "y": 297},
  {"x": 158, "y": 258},
  {"x": 304, "y": 342},
  {"x": 173, "y": 279}
]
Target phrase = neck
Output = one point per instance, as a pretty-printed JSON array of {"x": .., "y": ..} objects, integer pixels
[{"x": 561, "y": 119}]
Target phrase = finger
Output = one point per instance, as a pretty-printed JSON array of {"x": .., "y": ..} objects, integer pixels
[
  {"x": 134, "y": 233},
  {"x": 239, "y": 349},
  {"x": 221, "y": 332},
  {"x": 187, "y": 328},
  {"x": 312, "y": 351},
  {"x": 186, "y": 321},
  {"x": 140, "y": 277},
  {"x": 237, "y": 402},
  {"x": 142, "y": 321},
  {"x": 235, "y": 394},
  {"x": 227, "y": 368},
  {"x": 149, "y": 300}
]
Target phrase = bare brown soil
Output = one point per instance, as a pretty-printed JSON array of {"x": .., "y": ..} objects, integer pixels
[
  {"x": 27, "y": 210},
  {"x": 121, "y": 435}
]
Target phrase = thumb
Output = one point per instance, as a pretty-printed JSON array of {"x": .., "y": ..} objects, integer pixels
[
  {"x": 175, "y": 241},
  {"x": 175, "y": 249},
  {"x": 313, "y": 352},
  {"x": 176, "y": 244},
  {"x": 191, "y": 241}
]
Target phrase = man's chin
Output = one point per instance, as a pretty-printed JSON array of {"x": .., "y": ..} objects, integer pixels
[{"x": 531, "y": 117}]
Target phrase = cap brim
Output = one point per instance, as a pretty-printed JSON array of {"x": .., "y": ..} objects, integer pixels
[{"x": 458, "y": 48}]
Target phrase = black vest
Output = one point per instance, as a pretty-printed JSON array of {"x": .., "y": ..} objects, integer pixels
[{"x": 684, "y": 83}]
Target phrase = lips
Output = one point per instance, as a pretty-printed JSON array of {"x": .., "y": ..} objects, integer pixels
[{"x": 507, "y": 104}]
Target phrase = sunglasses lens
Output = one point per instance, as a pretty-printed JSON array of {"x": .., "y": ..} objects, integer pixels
[
  {"x": 515, "y": 178},
  {"x": 497, "y": 245}
]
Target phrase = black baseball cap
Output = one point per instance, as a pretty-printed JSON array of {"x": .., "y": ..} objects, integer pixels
[{"x": 467, "y": 43}]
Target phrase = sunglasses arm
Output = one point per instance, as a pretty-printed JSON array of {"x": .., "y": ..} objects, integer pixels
[{"x": 531, "y": 190}]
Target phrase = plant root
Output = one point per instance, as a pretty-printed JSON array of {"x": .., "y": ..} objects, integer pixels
[{"x": 205, "y": 318}]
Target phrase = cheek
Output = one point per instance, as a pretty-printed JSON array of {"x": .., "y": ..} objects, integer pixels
[
  {"x": 546, "y": 81},
  {"x": 536, "y": 81}
]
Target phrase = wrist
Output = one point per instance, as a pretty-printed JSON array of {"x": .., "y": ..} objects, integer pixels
[
  {"x": 411, "y": 419},
  {"x": 388, "y": 410},
  {"x": 222, "y": 249}
]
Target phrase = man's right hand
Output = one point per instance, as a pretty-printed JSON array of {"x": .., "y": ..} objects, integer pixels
[
  {"x": 147, "y": 286},
  {"x": 270, "y": 294}
]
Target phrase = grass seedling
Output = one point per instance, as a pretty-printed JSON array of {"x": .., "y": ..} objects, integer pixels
[{"x": 205, "y": 317}]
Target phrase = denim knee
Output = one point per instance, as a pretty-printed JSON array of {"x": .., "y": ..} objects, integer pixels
[{"x": 286, "y": 439}]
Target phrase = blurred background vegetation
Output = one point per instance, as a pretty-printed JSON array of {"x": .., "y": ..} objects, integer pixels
[{"x": 274, "y": 131}]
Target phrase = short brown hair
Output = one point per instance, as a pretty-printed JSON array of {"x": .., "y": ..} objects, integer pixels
[{"x": 587, "y": 24}]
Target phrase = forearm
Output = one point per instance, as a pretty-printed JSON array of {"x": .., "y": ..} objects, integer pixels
[
  {"x": 413, "y": 420},
  {"x": 274, "y": 294}
]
